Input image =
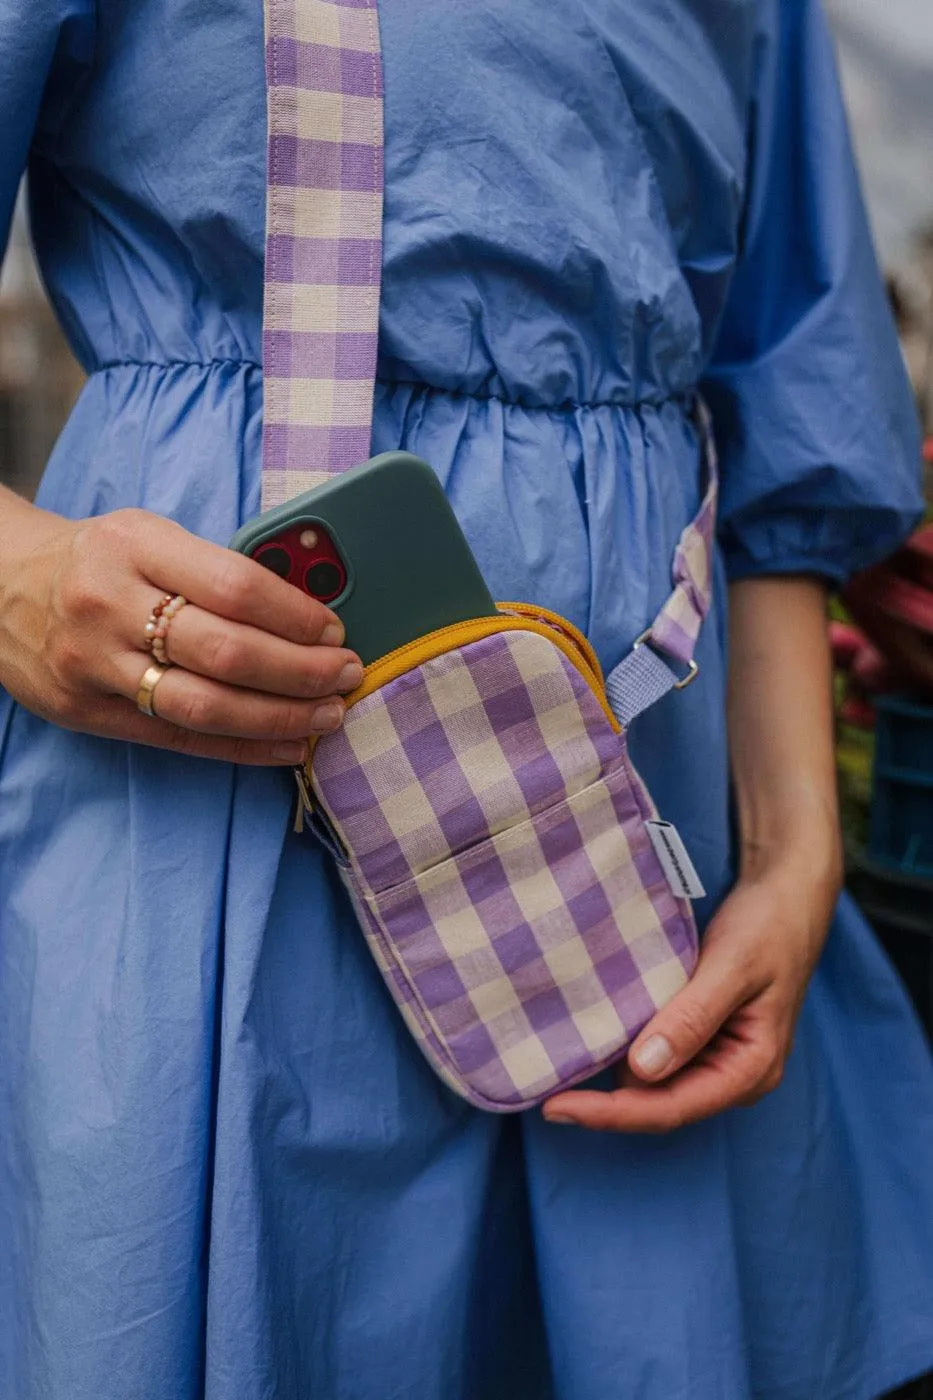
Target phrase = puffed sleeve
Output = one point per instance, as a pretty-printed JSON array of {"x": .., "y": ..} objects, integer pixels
[
  {"x": 45, "y": 50},
  {"x": 814, "y": 414}
]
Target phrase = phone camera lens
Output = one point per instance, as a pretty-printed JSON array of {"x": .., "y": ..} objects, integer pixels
[
  {"x": 324, "y": 580},
  {"x": 275, "y": 558}
]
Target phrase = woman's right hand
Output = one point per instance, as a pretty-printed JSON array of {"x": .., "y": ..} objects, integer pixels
[{"x": 258, "y": 666}]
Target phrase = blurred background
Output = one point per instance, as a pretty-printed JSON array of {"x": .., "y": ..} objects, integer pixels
[
  {"x": 39, "y": 379},
  {"x": 886, "y": 53}
]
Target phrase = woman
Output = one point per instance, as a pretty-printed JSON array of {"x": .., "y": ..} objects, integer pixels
[{"x": 226, "y": 1170}]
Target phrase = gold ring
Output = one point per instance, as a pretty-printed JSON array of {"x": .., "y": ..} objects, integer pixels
[{"x": 151, "y": 677}]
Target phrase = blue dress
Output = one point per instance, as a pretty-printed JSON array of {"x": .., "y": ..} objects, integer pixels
[{"x": 225, "y": 1170}]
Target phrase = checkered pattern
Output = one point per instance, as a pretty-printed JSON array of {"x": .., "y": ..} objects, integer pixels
[
  {"x": 500, "y": 867},
  {"x": 677, "y": 626},
  {"x": 323, "y": 239}
]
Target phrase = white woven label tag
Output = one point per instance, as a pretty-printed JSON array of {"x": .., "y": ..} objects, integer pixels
[{"x": 676, "y": 864}]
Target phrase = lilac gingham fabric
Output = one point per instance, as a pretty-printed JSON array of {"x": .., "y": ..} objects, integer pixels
[
  {"x": 500, "y": 866},
  {"x": 677, "y": 626},
  {"x": 323, "y": 240}
]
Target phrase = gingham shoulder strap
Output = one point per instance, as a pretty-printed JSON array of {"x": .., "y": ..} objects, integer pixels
[
  {"x": 323, "y": 239},
  {"x": 323, "y": 267},
  {"x": 645, "y": 675}
]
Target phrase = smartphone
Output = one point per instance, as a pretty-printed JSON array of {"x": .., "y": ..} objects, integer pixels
[{"x": 381, "y": 546}]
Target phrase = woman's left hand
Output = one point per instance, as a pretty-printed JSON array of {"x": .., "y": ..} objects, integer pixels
[{"x": 723, "y": 1041}]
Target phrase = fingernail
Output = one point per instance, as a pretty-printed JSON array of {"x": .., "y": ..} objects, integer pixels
[
  {"x": 327, "y": 716},
  {"x": 655, "y": 1055},
  {"x": 333, "y": 634},
  {"x": 350, "y": 676},
  {"x": 559, "y": 1118},
  {"x": 291, "y": 753}
]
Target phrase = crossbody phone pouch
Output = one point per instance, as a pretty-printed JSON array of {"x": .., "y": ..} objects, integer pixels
[{"x": 526, "y": 906}]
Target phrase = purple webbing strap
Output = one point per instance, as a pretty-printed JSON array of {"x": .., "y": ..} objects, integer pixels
[
  {"x": 640, "y": 680},
  {"x": 323, "y": 240}
]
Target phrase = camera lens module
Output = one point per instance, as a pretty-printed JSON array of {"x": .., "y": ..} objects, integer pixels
[
  {"x": 324, "y": 580},
  {"x": 276, "y": 559}
]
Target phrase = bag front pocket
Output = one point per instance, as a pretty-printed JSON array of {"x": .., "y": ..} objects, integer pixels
[
  {"x": 532, "y": 959},
  {"x": 499, "y": 863}
]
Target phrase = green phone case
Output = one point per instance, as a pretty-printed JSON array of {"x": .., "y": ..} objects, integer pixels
[{"x": 409, "y": 568}]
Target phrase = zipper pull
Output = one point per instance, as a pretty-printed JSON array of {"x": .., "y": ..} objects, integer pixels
[{"x": 303, "y": 806}]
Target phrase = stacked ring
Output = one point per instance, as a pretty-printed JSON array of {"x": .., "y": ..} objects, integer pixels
[{"x": 157, "y": 625}]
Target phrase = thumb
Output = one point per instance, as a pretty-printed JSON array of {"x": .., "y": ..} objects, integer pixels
[{"x": 688, "y": 1022}]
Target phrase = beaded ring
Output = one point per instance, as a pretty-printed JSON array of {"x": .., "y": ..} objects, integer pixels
[{"x": 158, "y": 622}]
